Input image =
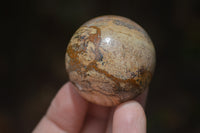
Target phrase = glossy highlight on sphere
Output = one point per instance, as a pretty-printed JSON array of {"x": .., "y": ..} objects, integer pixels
[{"x": 110, "y": 60}]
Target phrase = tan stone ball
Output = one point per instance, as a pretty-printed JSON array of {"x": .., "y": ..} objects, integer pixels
[{"x": 110, "y": 60}]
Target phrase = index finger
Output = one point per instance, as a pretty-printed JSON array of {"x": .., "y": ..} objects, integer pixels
[
  {"x": 65, "y": 114},
  {"x": 142, "y": 97}
]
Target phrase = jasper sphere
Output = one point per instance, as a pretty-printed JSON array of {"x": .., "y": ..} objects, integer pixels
[{"x": 110, "y": 60}]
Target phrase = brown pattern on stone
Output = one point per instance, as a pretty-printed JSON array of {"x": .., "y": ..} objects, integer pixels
[{"x": 110, "y": 63}]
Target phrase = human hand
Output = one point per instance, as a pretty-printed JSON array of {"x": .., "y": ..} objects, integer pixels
[{"x": 70, "y": 113}]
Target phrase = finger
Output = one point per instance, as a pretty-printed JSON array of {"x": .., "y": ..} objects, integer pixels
[
  {"x": 128, "y": 118},
  {"x": 65, "y": 114},
  {"x": 142, "y": 98},
  {"x": 47, "y": 126},
  {"x": 96, "y": 119},
  {"x": 110, "y": 121}
]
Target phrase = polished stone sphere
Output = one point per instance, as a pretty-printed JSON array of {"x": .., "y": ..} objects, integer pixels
[{"x": 110, "y": 60}]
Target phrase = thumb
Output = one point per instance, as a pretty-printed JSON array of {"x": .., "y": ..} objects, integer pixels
[{"x": 129, "y": 117}]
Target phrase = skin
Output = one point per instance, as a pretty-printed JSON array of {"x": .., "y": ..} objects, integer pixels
[{"x": 70, "y": 113}]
